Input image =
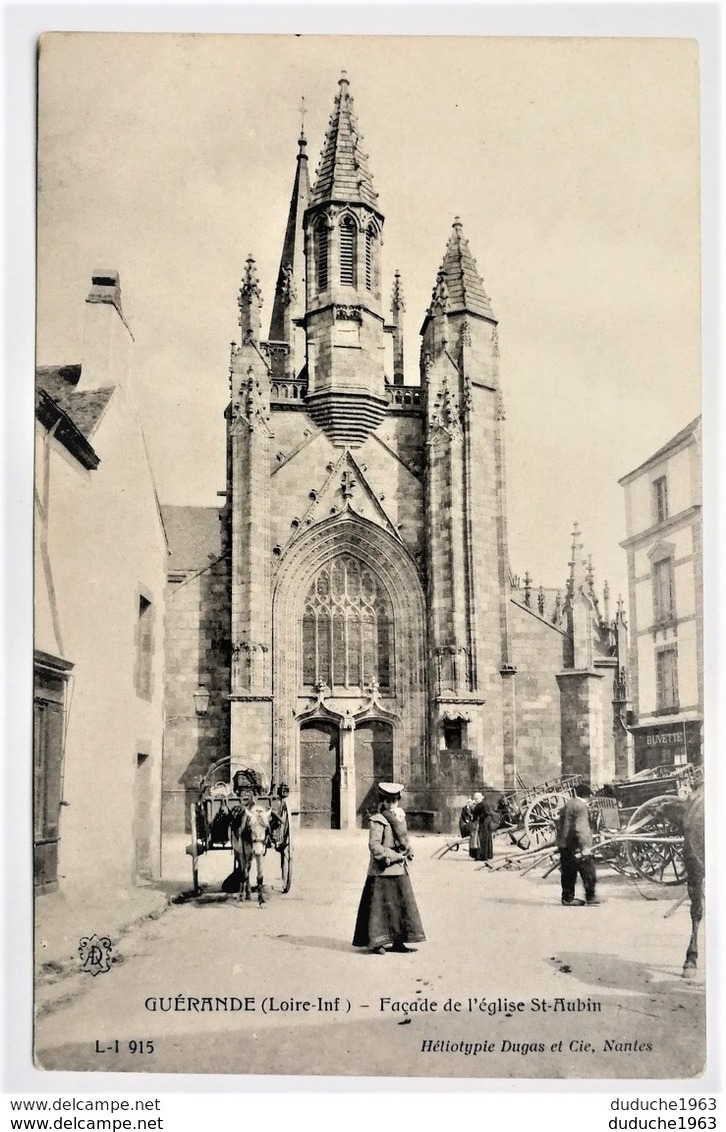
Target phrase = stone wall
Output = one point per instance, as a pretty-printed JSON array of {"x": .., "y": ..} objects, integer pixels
[
  {"x": 537, "y": 655},
  {"x": 198, "y": 653}
]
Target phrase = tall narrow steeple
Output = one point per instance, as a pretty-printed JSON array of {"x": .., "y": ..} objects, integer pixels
[
  {"x": 343, "y": 173},
  {"x": 289, "y": 302},
  {"x": 344, "y": 322},
  {"x": 398, "y": 306}
]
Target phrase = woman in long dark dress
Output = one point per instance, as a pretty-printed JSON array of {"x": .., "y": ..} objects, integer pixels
[
  {"x": 388, "y": 915},
  {"x": 465, "y": 818},
  {"x": 474, "y": 828},
  {"x": 484, "y": 817}
]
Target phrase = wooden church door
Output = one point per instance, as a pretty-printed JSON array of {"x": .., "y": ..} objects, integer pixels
[
  {"x": 319, "y": 775},
  {"x": 373, "y": 764}
]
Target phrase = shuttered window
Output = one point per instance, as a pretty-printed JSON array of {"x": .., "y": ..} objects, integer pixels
[
  {"x": 321, "y": 255},
  {"x": 666, "y": 678},
  {"x": 347, "y": 252},
  {"x": 660, "y": 499},
  {"x": 664, "y": 591},
  {"x": 370, "y": 237}
]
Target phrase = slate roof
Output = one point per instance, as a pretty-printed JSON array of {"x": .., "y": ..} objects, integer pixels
[
  {"x": 54, "y": 379},
  {"x": 84, "y": 407},
  {"x": 343, "y": 173},
  {"x": 674, "y": 442},
  {"x": 194, "y": 535},
  {"x": 463, "y": 281}
]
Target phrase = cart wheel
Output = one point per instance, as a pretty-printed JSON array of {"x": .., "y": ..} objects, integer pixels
[
  {"x": 285, "y": 849},
  {"x": 658, "y": 861},
  {"x": 539, "y": 819}
]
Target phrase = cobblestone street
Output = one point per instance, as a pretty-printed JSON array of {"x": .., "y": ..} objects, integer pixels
[{"x": 494, "y": 936}]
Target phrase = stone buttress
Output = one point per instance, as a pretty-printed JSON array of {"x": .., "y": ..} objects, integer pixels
[{"x": 465, "y": 521}]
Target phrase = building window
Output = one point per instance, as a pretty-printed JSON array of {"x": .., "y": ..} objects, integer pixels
[
  {"x": 370, "y": 237},
  {"x": 664, "y": 591},
  {"x": 666, "y": 679},
  {"x": 347, "y": 628},
  {"x": 347, "y": 251},
  {"x": 144, "y": 647},
  {"x": 453, "y": 734},
  {"x": 321, "y": 255},
  {"x": 660, "y": 499}
]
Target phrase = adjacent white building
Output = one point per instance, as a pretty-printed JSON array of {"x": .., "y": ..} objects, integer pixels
[
  {"x": 665, "y": 561},
  {"x": 100, "y": 565}
]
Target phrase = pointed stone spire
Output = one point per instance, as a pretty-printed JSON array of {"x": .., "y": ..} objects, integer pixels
[
  {"x": 290, "y": 290},
  {"x": 343, "y": 173},
  {"x": 249, "y": 302},
  {"x": 590, "y": 575},
  {"x": 464, "y": 283},
  {"x": 606, "y": 602},
  {"x": 576, "y": 564},
  {"x": 398, "y": 306}
]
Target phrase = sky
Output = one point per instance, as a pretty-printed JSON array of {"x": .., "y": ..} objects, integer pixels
[{"x": 572, "y": 163}]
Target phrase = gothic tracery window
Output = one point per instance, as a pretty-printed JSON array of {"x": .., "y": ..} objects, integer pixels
[{"x": 347, "y": 627}]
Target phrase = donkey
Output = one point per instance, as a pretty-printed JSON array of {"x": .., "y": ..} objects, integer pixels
[
  {"x": 694, "y": 859},
  {"x": 249, "y": 832}
]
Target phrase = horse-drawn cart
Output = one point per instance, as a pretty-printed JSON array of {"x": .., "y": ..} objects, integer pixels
[
  {"x": 220, "y": 799},
  {"x": 636, "y": 823},
  {"x": 528, "y": 814},
  {"x": 638, "y": 827}
]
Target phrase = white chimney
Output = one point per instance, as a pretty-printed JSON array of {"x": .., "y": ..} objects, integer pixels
[{"x": 106, "y": 336}]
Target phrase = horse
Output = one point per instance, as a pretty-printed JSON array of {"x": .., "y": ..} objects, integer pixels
[
  {"x": 249, "y": 834},
  {"x": 694, "y": 859}
]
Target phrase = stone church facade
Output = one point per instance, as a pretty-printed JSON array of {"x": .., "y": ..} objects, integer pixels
[{"x": 349, "y": 614}]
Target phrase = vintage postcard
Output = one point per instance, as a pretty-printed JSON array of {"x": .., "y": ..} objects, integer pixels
[{"x": 368, "y": 701}]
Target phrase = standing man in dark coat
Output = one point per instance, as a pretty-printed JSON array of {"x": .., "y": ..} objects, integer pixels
[{"x": 574, "y": 841}]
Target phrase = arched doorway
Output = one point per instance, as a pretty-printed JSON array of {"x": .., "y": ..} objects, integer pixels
[
  {"x": 373, "y": 763},
  {"x": 319, "y": 775}
]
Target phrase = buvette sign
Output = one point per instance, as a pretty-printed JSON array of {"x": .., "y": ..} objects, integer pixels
[{"x": 667, "y": 743}]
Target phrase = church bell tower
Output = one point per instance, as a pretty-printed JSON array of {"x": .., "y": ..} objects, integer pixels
[{"x": 344, "y": 321}]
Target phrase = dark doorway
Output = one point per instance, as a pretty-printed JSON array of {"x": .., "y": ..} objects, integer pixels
[
  {"x": 142, "y": 816},
  {"x": 48, "y": 777},
  {"x": 49, "y": 706},
  {"x": 373, "y": 764},
  {"x": 319, "y": 776}
]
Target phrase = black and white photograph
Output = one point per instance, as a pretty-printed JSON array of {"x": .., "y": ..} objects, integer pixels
[{"x": 368, "y": 715}]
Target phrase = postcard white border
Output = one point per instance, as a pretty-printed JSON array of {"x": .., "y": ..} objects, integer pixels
[{"x": 22, "y": 25}]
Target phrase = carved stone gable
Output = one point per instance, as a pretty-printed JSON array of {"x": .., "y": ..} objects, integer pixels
[{"x": 346, "y": 488}]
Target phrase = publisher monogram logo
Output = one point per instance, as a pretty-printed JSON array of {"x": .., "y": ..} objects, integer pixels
[{"x": 95, "y": 954}]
